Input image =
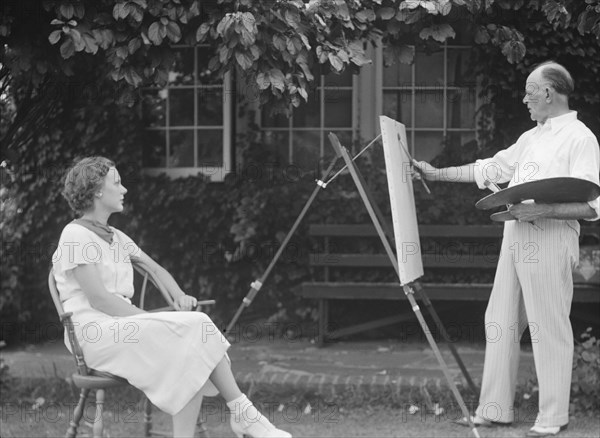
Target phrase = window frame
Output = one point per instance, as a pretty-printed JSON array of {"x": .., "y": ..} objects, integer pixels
[
  {"x": 413, "y": 88},
  {"x": 322, "y": 88},
  {"x": 213, "y": 173}
]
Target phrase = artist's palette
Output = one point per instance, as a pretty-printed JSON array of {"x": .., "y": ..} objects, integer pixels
[
  {"x": 502, "y": 216},
  {"x": 544, "y": 191}
]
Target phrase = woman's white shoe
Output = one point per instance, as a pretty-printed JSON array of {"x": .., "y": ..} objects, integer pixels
[
  {"x": 247, "y": 421},
  {"x": 260, "y": 428}
]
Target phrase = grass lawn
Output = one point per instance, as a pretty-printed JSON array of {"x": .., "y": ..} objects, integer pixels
[{"x": 52, "y": 421}]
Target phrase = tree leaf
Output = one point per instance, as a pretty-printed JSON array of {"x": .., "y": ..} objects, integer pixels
[
  {"x": 406, "y": 54},
  {"x": 335, "y": 61},
  {"x": 224, "y": 24},
  {"x": 119, "y": 11},
  {"x": 307, "y": 73},
  {"x": 482, "y": 36},
  {"x": 249, "y": 21},
  {"x": 365, "y": 15},
  {"x": 279, "y": 42},
  {"x": 514, "y": 51},
  {"x": 67, "y": 10},
  {"x": 386, "y": 13},
  {"x": 134, "y": 45},
  {"x": 91, "y": 45},
  {"x": 202, "y": 31},
  {"x": 277, "y": 79},
  {"x": 439, "y": 33},
  {"x": 67, "y": 48},
  {"x": 173, "y": 31},
  {"x": 292, "y": 17},
  {"x": 360, "y": 60},
  {"x": 154, "y": 33},
  {"x": 54, "y": 36},
  {"x": 263, "y": 81},
  {"x": 243, "y": 60}
]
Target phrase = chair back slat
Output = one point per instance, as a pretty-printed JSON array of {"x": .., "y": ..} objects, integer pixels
[
  {"x": 147, "y": 273},
  {"x": 67, "y": 322}
]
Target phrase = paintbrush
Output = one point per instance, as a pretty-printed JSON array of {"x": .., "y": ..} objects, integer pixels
[{"x": 412, "y": 163}]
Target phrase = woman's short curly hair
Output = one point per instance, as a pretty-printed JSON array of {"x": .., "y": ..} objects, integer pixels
[{"x": 83, "y": 180}]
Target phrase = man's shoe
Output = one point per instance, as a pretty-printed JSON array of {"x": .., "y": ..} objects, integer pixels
[
  {"x": 480, "y": 422},
  {"x": 541, "y": 431}
]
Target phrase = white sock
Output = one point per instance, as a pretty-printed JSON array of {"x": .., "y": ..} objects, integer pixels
[{"x": 243, "y": 407}]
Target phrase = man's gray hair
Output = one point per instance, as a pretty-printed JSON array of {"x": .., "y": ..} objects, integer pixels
[{"x": 557, "y": 76}]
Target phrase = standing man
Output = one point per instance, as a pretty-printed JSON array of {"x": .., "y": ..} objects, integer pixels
[{"x": 533, "y": 285}]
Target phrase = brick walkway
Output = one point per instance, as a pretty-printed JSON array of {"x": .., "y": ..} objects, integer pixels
[{"x": 372, "y": 367}]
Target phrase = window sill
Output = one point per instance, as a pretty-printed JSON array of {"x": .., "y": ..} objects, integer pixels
[{"x": 213, "y": 174}]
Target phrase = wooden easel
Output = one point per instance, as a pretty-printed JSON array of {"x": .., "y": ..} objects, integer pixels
[{"x": 409, "y": 288}]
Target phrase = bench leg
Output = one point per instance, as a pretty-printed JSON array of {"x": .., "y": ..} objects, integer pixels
[{"x": 323, "y": 321}]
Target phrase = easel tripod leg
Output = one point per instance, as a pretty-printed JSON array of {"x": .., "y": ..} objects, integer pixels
[
  {"x": 438, "y": 322},
  {"x": 407, "y": 289}
]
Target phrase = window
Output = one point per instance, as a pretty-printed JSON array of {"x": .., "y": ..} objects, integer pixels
[
  {"x": 302, "y": 140},
  {"x": 435, "y": 98},
  {"x": 189, "y": 122}
]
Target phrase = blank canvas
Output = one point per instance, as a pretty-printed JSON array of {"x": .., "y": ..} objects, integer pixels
[{"x": 404, "y": 212}]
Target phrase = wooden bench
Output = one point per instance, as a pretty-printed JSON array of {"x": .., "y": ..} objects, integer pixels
[{"x": 450, "y": 253}]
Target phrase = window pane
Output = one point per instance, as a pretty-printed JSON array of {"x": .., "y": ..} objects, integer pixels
[
  {"x": 345, "y": 138},
  {"x": 429, "y": 109},
  {"x": 181, "y": 147},
  {"x": 308, "y": 113},
  {"x": 459, "y": 139},
  {"x": 397, "y": 75},
  {"x": 429, "y": 69},
  {"x": 278, "y": 143},
  {"x": 427, "y": 145},
  {"x": 306, "y": 149},
  {"x": 182, "y": 72},
  {"x": 460, "y": 73},
  {"x": 338, "y": 108},
  {"x": 154, "y": 152},
  {"x": 181, "y": 107},
  {"x": 461, "y": 109},
  {"x": 210, "y": 106},
  {"x": 274, "y": 121},
  {"x": 341, "y": 80},
  {"x": 154, "y": 108},
  {"x": 210, "y": 147},
  {"x": 206, "y": 76},
  {"x": 397, "y": 106}
]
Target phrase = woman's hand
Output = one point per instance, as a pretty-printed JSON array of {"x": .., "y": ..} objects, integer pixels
[{"x": 185, "y": 302}]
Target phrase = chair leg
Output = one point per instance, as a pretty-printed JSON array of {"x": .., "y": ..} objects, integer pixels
[
  {"x": 98, "y": 421},
  {"x": 77, "y": 414},
  {"x": 147, "y": 417}
]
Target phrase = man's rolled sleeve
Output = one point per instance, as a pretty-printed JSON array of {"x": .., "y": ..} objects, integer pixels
[
  {"x": 497, "y": 169},
  {"x": 585, "y": 164}
]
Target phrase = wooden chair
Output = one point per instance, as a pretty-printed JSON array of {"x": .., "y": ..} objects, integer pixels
[{"x": 87, "y": 379}]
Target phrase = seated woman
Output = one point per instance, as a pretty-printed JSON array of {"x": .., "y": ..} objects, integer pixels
[{"x": 173, "y": 357}]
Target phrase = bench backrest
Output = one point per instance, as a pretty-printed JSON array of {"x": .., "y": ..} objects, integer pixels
[{"x": 447, "y": 247}]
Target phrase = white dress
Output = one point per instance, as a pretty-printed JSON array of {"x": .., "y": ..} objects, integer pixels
[{"x": 167, "y": 355}]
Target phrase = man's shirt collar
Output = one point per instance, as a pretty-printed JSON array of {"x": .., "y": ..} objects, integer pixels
[{"x": 555, "y": 124}]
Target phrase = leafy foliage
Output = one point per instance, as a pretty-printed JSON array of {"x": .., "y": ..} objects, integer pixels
[
  {"x": 503, "y": 115},
  {"x": 280, "y": 46},
  {"x": 585, "y": 387}
]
